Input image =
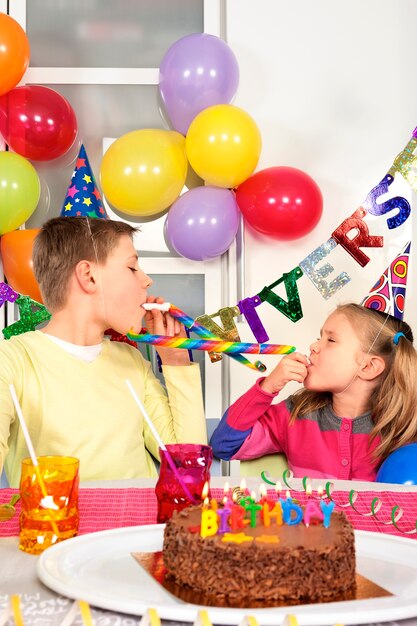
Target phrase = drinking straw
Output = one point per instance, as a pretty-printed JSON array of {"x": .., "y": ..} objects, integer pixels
[
  {"x": 31, "y": 450},
  {"x": 5, "y": 615},
  {"x": 160, "y": 442}
]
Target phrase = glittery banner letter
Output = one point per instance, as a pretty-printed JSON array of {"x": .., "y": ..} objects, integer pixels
[
  {"x": 292, "y": 309},
  {"x": 7, "y": 294},
  {"x": 360, "y": 240},
  {"x": 229, "y": 331},
  {"x": 398, "y": 202},
  {"x": 247, "y": 308},
  {"x": 317, "y": 276},
  {"x": 31, "y": 315},
  {"x": 406, "y": 163}
]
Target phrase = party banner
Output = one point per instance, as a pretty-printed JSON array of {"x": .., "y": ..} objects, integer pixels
[{"x": 381, "y": 223}]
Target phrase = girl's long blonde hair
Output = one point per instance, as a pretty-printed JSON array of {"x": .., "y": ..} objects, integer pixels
[{"x": 394, "y": 400}]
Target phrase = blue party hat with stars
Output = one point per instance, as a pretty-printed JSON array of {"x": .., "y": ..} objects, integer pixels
[{"x": 83, "y": 198}]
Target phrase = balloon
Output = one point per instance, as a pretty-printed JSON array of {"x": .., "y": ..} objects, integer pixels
[
  {"x": 196, "y": 72},
  {"x": 37, "y": 122},
  {"x": 223, "y": 145},
  {"x": 283, "y": 202},
  {"x": 14, "y": 53},
  {"x": 144, "y": 171},
  {"x": 400, "y": 466},
  {"x": 41, "y": 213},
  {"x": 19, "y": 191},
  {"x": 16, "y": 253},
  {"x": 202, "y": 223}
]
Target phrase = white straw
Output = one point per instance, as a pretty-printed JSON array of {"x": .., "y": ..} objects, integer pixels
[
  {"x": 145, "y": 415},
  {"x": 23, "y": 425},
  {"x": 148, "y": 306}
]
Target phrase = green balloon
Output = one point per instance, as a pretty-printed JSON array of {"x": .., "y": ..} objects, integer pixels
[{"x": 19, "y": 191}]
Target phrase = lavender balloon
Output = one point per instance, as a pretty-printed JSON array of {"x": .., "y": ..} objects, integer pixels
[
  {"x": 197, "y": 71},
  {"x": 203, "y": 222}
]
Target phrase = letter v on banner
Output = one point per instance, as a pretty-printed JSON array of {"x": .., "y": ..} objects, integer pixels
[{"x": 291, "y": 309}]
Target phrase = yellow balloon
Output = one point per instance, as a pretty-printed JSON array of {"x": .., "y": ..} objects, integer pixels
[
  {"x": 143, "y": 172},
  {"x": 223, "y": 145}
]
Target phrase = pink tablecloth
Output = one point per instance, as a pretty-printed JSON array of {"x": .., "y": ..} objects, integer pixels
[{"x": 102, "y": 509}]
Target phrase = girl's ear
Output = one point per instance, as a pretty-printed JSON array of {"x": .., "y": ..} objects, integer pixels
[
  {"x": 372, "y": 367},
  {"x": 84, "y": 274}
]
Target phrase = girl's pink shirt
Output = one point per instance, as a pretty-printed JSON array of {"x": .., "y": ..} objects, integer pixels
[{"x": 318, "y": 445}]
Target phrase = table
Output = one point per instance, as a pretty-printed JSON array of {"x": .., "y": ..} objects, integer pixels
[{"x": 41, "y": 606}]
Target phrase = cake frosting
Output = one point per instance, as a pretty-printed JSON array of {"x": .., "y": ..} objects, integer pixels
[{"x": 275, "y": 563}]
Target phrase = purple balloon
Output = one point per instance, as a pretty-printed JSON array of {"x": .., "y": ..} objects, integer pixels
[
  {"x": 203, "y": 222},
  {"x": 197, "y": 71}
]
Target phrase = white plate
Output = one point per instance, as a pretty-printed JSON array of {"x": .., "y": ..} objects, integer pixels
[{"x": 99, "y": 569}]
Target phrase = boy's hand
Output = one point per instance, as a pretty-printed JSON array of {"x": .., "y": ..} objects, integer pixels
[
  {"x": 292, "y": 367},
  {"x": 160, "y": 323}
]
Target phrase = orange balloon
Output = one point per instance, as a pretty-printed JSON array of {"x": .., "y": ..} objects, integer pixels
[
  {"x": 16, "y": 253},
  {"x": 14, "y": 53}
]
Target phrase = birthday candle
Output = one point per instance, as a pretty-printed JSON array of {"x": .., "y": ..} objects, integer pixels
[
  {"x": 312, "y": 510},
  {"x": 274, "y": 513},
  {"x": 278, "y": 488},
  {"x": 224, "y": 515},
  {"x": 209, "y": 524},
  {"x": 327, "y": 511},
  {"x": 237, "y": 520}
]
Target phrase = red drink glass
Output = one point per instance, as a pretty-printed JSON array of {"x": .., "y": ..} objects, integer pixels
[{"x": 192, "y": 462}]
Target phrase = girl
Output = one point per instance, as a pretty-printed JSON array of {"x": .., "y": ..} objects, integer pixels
[{"x": 359, "y": 401}]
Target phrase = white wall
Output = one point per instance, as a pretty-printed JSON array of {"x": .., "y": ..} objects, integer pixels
[{"x": 332, "y": 88}]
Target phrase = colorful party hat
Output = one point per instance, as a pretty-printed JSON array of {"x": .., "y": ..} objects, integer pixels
[
  {"x": 83, "y": 197},
  {"x": 388, "y": 294}
]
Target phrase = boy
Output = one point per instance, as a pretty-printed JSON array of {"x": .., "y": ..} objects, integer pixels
[{"x": 71, "y": 381}]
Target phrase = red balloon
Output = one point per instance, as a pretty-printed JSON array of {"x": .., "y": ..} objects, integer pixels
[
  {"x": 282, "y": 202},
  {"x": 37, "y": 122}
]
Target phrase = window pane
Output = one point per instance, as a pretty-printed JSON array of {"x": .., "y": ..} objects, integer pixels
[
  {"x": 105, "y": 33},
  {"x": 102, "y": 111}
]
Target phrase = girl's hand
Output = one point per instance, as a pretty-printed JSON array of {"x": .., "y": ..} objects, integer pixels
[
  {"x": 292, "y": 367},
  {"x": 160, "y": 323}
]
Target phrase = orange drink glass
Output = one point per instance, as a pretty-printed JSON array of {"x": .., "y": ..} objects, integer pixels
[{"x": 49, "y": 498}]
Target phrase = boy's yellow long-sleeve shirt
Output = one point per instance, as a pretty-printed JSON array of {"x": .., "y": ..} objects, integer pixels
[{"x": 85, "y": 410}]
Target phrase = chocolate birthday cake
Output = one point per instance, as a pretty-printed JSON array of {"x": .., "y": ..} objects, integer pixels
[{"x": 295, "y": 563}]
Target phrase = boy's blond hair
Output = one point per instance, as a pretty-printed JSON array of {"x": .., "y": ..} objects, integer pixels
[
  {"x": 65, "y": 241},
  {"x": 394, "y": 400}
]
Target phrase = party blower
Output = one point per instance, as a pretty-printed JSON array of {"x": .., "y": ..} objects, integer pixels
[{"x": 209, "y": 343}]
